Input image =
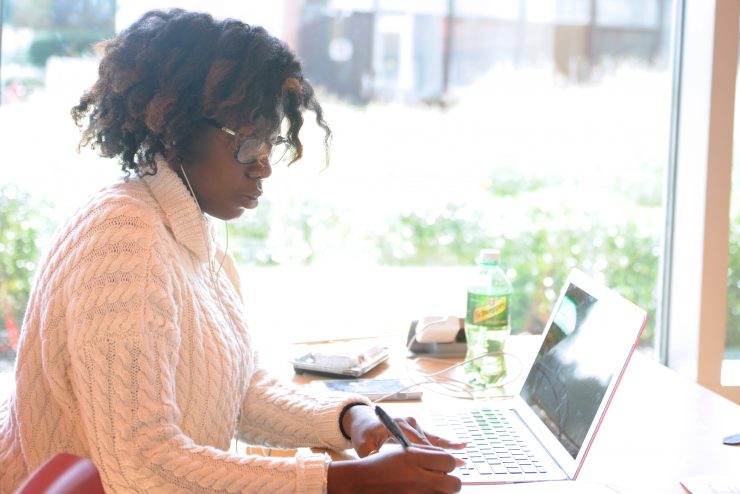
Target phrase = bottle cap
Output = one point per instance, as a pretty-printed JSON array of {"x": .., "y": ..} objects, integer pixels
[{"x": 489, "y": 256}]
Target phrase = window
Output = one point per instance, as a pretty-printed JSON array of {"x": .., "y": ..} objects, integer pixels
[
  {"x": 701, "y": 332},
  {"x": 542, "y": 131},
  {"x": 538, "y": 127}
]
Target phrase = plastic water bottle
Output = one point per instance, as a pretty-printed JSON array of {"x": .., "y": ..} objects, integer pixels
[{"x": 488, "y": 321}]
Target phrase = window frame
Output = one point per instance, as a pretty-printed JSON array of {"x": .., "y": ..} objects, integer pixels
[{"x": 697, "y": 241}]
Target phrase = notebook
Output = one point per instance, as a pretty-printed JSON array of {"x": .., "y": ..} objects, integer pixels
[{"x": 544, "y": 433}]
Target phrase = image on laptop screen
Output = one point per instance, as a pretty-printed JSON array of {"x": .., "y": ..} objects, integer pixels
[{"x": 573, "y": 368}]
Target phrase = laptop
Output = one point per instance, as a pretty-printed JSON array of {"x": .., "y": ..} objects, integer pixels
[{"x": 544, "y": 433}]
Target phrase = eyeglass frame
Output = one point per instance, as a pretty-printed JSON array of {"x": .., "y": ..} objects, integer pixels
[{"x": 279, "y": 140}]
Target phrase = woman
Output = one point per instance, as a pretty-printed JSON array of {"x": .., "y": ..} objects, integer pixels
[{"x": 135, "y": 352}]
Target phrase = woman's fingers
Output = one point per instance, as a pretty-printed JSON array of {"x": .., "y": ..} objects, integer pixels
[
  {"x": 422, "y": 469},
  {"x": 367, "y": 451},
  {"x": 412, "y": 430},
  {"x": 459, "y": 462},
  {"x": 412, "y": 426},
  {"x": 433, "y": 467},
  {"x": 426, "y": 440},
  {"x": 434, "y": 459},
  {"x": 444, "y": 443}
]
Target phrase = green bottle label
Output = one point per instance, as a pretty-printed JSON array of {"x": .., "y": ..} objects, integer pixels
[{"x": 487, "y": 310}]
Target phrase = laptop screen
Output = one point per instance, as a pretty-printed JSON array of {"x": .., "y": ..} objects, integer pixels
[{"x": 573, "y": 368}]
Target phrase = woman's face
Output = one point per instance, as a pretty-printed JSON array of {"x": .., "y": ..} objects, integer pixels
[{"x": 223, "y": 187}]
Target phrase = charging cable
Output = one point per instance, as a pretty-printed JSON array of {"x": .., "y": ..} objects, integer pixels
[
  {"x": 471, "y": 391},
  {"x": 468, "y": 391}
]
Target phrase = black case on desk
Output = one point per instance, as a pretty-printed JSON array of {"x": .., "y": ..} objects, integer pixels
[{"x": 454, "y": 349}]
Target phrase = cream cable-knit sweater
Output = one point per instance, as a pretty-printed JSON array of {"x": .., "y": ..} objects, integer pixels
[{"x": 135, "y": 353}]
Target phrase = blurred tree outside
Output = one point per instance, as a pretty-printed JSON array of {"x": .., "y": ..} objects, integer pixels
[
  {"x": 539, "y": 259},
  {"x": 41, "y": 29},
  {"x": 21, "y": 220},
  {"x": 732, "y": 338},
  {"x": 733, "y": 290},
  {"x": 539, "y": 244},
  {"x": 539, "y": 253},
  {"x": 66, "y": 28}
]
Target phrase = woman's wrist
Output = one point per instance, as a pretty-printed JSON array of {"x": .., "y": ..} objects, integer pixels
[
  {"x": 344, "y": 415},
  {"x": 339, "y": 477}
]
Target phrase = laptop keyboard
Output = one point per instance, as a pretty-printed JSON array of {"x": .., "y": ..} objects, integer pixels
[{"x": 494, "y": 445}]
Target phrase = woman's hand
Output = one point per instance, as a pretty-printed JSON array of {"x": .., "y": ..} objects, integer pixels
[
  {"x": 368, "y": 433},
  {"x": 417, "y": 469}
]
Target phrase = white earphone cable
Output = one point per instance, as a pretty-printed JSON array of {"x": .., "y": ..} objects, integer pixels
[{"x": 214, "y": 280}]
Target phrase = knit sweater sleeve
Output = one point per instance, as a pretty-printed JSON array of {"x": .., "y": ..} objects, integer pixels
[
  {"x": 285, "y": 415},
  {"x": 280, "y": 414},
  {"x": 123, "y": 341}
]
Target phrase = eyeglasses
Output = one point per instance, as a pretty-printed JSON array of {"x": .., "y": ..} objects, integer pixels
[{"x": 251, "y": 148}]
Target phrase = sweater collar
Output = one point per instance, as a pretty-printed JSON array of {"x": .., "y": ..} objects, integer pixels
[{"x": 189, "y": 225}]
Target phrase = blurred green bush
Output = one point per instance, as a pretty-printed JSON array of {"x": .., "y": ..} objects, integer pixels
[
  {"x": 73, "y": 43},
  {"x": 538, "y": 252},
  {"x": 537, "y": 258},
  {"x": 19, "y": 227},
  {"x": 733, "y": 289}
]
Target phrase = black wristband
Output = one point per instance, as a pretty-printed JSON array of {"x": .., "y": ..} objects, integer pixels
[{"x": 341, "y": 416}]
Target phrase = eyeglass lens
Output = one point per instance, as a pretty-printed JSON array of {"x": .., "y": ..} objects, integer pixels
[{"x": 251, "y": 150}]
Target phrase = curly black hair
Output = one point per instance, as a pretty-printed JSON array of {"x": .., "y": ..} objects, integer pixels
[{"x": 171, "y": 70}]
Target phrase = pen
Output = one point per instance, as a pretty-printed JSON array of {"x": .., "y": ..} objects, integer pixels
[{"x": 392, "y": 426}]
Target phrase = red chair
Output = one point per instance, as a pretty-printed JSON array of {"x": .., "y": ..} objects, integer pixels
[{"x": 63, "y": 474}]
